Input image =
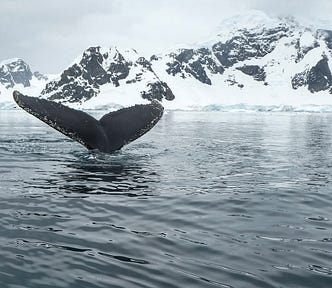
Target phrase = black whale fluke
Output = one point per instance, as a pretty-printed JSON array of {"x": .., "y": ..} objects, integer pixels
[{"x": 109, "y": 134}]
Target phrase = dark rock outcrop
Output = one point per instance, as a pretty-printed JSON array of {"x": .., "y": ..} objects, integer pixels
[
  {"x": 194, "y": 63},
  {"x": 40, "y": 76},
  {"x": 257, "y": 72},
  {"x": 317, "y": 78},
  {"x": 326, "y": 35},
  {"x": 300, "y": 79},
  {"x": 158, "y": 90},
  {"x": 247, "y": 45}
]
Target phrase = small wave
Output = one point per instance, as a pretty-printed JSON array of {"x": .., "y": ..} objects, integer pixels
[{"x": 124, "y": 258}]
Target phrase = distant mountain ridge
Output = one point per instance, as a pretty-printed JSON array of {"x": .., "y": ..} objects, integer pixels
[
  {"x": 244, "y": 45},
  {"x": 16, "y": 74},
  {"x": 267, "y": 57},
  {"x": 252, "y": 59},
  {"x": 16, "y": 71}
]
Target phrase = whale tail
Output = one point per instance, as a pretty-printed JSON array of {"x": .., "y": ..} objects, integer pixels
[{"x": 110, "y": 133}]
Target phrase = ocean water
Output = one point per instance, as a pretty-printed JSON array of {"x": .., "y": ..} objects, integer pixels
[{"x": 205, "y": 199}]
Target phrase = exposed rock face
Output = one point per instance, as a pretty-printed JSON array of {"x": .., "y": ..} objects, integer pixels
[
  {"x": 317, "y": 78},
  {"x": 195, "y": 63},
  {"x": 97, "y": 67},
  {"x": 300, "y": 79},
  {"x": 158, "y": 90},
  {"x": 40, "y": 76},
  {"x": 326, "y": 35},
  {"x": 257, "y": 72},
  {"x": 247, "y": 45}
]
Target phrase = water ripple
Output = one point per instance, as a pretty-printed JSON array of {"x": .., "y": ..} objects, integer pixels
[{"x": 202, "y": 200}]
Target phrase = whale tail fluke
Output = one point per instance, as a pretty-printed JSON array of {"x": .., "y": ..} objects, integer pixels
[{"x": 110, "y": 133}]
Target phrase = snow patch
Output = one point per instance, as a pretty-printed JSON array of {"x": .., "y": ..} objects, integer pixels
[{"x": 307, "y": 40}]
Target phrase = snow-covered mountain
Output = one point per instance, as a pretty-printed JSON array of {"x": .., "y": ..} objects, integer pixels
[
  {"x": 107, "y": 77},
  {"x": 15, "y": 74},
  {"x": 252, "y": 61}
]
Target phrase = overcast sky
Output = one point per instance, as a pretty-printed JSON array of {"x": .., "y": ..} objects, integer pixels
[{"x": 49, "y": 35}]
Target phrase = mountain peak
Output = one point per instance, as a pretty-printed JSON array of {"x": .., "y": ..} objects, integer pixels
[
  {"x": 104, "y": 69},
  {"x": 251, "y": 20},
  {"x": 15, "y": 71},
  {"x": 11, "y": 61},
  {"x": 15, "y": 74},
  {"x": 256, "y": 21}
]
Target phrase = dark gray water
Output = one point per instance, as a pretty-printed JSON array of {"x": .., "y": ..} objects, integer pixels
[{"x": 202, "y": 200}]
